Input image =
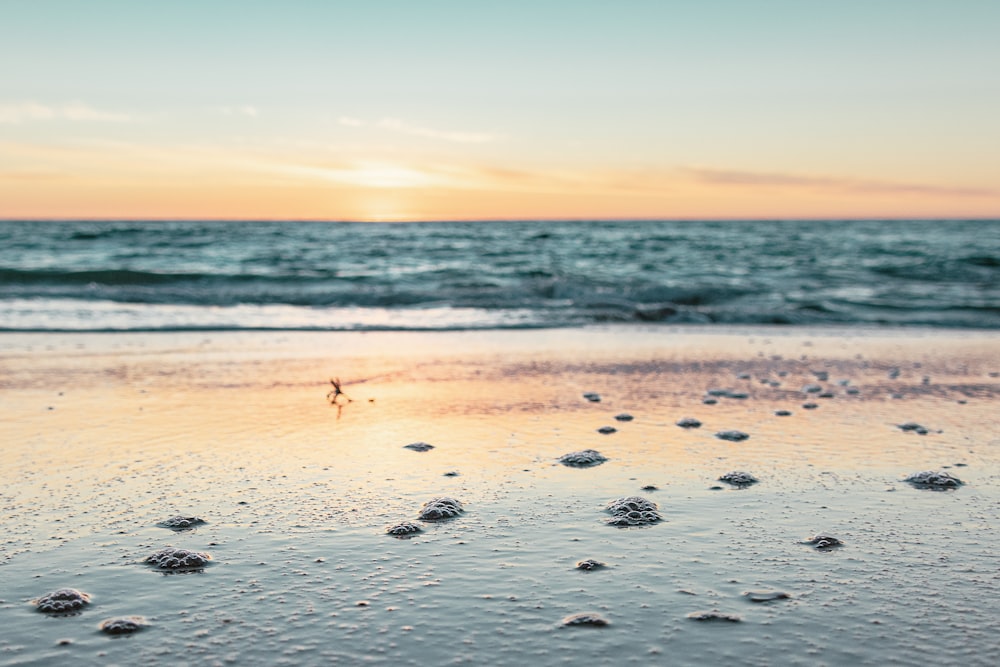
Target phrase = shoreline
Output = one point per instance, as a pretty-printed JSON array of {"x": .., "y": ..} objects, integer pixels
[{"x": 107, "y": 435}]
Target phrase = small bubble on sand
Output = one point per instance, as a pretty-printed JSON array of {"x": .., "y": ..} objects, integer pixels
[
  {"x": 717, "y": 392},
  {"x": 934, "y": 479},
  {"x": 632, "y": 511},
  {"x": 689, "y": 422},
  {"x": 588, "y": 618},
  {"x": 743, "y": 376},
  {"x": 822, "y": 376},
  {"x": 122, "y": 625},
  {"x": 732, "y": 436},
  {"x": 582, "y": 459},
  {"x": 590, "y": 564},
  {"x": 62, "y": 601},
  {"x": 451, "y": 473},
  {"x": 714, "y": 616},
  {"x": 181, "y": 522},
  {"x": 783, "y": 413},
  {"x": 419, "y": 446},
  {"x": 440, "y": 508},
  {"x": 823, "y": 542},
  {"x": 913, "y": 426},
  {"x": 853, "y": 391},
  {"x": 812, "y": 389},
  {"x": 809, "y": 406},
  {"x": 710, "y": 401},
  {"x": 737, "y": 395},
  {"x": 607, "y": 430},
  {"x": 171, "y": 558},
  {"x": 403, "y": 529},
  {"x": 592, "y": 397},
  {"x": 738, "y": 478},
  {"x": 624, "y": 417},
  {"x": 650, "y": 487},
  {"x": 766, "y": 596}
]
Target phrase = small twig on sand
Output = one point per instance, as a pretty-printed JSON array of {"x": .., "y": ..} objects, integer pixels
[{"x": 336, "y": 392}]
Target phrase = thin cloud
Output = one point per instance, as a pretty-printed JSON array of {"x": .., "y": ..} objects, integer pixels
[
  {"x": 857, "y": 186},
  {"x": 33, "y": 176},
  {"x": 402, "y": 127},
  {"x": 366, "y": 174},
  {"x": 25, "y": 112}
]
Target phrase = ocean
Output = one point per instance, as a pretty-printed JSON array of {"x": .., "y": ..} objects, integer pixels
[{"x": 339, "y": 276}]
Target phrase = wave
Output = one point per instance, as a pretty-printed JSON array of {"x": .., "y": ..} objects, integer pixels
[
  {"x": 109, "y": 275},
  {"x": 10, "y": 276}
]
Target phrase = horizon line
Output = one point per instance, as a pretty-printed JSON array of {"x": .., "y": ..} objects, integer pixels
[{"x": 995, "y": 218}]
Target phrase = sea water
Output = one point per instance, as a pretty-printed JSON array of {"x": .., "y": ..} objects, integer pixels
[{"x": 221, "y": 275}]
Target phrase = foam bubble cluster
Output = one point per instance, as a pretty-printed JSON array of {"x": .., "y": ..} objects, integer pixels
[
  {"x": 824, "y": 542},
  {"x": 714, "y": 616},
  {"x": 181, "y": 522},
  {"x": 766, "y": 596},
  {"x": 405, "y": 528},
  {"x": 171, "y": 558},
  {"x": 586, "y": 618},
  {"x": 123, "y": 625},
  {"x": 440, "y": 508},
  {"x": 738, "y": 478},
  {"x": 582, "y": 459},
  {"x": 632, "y": 511},
  {"x": 935, "y": 479},
  {"x": 590, "y": 564},
  {"x": 62, "y": 601}
]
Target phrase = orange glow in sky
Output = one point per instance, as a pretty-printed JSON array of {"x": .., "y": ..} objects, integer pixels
[{"x": 318, "y": 110}]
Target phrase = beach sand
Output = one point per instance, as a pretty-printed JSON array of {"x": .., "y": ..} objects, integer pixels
[{"x": 105, "y": 435}]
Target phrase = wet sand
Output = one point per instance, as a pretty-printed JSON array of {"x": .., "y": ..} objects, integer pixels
[{"x": 106, "y": 435}]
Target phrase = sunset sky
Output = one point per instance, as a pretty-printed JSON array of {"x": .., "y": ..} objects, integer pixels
[{"x": 473, "y": 110}]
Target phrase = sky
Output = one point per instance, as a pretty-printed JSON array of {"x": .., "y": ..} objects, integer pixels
[{"x": 439, "y": 109}]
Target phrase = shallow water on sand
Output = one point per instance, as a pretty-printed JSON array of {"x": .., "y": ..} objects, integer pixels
[{"x": 235, "y": 429}]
